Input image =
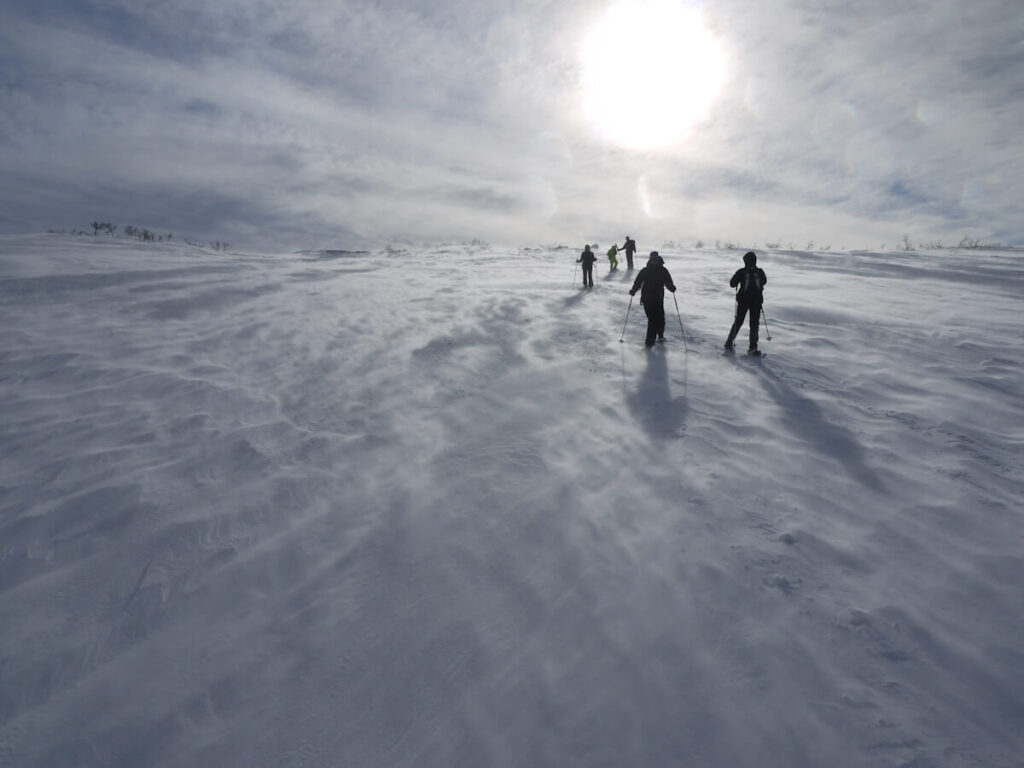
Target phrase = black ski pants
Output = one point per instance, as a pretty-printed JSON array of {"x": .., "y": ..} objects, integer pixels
[
  {"x": 742, "y": 307},
  {"x": 588, "y": 275},
  {"x": 655, "y": 320}
]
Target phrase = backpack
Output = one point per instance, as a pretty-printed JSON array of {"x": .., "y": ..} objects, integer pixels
[{"x": 750, "y": 284}]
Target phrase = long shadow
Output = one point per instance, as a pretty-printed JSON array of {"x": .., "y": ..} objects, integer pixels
[
  {"x": 662, "y": 415},
  {"x": 803, "y": 417},
  {"x": 576, "y": 298},
  {"x": 612, "y": 274}
]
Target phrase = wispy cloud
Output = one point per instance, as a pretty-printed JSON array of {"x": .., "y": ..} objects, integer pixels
[{"x": 318, "y": 123}]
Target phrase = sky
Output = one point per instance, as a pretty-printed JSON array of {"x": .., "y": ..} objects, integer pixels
[{"x": 317, "y": 123}]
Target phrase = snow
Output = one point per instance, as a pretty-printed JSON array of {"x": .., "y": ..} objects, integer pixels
[{"x": 421, "y": 507}]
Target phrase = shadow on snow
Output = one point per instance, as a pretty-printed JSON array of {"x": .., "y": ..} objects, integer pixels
[{"x": 662, "y": 415}]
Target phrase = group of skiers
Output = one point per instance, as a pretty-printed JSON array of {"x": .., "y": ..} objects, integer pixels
[
  {"x": 587, "y": 259},
  {"x": 653, "y": 279}
]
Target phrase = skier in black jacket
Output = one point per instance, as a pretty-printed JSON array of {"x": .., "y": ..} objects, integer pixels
[
  {"x": 652, "y": 281},
  {"x": 587, "y": 258},
  {"x": 749, "y": 283},
  {"x": 630, "y": 248}
]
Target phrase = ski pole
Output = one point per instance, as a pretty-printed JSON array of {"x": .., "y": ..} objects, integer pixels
[
  {"x": 574, "y": 275},
  {"x": 767, "y": 332},
  {"x": 680, "y": 322},
  {"x": 626, "y": 320}
]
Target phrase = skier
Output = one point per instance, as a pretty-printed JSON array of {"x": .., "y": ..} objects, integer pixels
[
  {"x": 630, "y": 248},
  {"x": 587, "y": 259},
  {"x": 612, "y": 260},
  {"x": 652, "y": 281},
  {"x": 749, "y": 283}
]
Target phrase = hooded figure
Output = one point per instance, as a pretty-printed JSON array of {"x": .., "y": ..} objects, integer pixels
[
  {"x": 587, "y": 259},
  {"x": 749, "y": 283},
  {"x": 652, "y": 281}
]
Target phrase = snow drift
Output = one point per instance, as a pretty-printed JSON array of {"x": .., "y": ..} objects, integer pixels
[{"x": 422, "y": 508}]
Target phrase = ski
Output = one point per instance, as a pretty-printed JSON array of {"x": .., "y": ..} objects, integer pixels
[{"x": 730, "y": 352}]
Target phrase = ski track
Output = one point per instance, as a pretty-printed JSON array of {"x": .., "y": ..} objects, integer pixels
[{"x": 422, "y": 508}]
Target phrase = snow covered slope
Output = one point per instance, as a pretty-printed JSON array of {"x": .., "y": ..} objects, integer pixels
[{"x": 423, "y": 509}]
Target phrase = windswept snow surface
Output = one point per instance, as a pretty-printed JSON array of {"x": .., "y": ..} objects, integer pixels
[{"x": 422, "y": 508}]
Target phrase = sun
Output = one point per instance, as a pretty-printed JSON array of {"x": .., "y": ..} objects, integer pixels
[{"x": 650, "y": 71}]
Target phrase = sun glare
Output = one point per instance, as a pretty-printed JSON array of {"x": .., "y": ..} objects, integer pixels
[{"x": 651, "y": 71}]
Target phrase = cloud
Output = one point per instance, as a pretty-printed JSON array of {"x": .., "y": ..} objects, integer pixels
[{"x": 367, "y": 122}]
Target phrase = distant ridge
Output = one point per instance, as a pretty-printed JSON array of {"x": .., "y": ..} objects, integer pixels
[{"x": 330, "y": 254}]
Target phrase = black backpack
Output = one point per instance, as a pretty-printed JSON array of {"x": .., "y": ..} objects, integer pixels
[{"x": 750, "y": 284}]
